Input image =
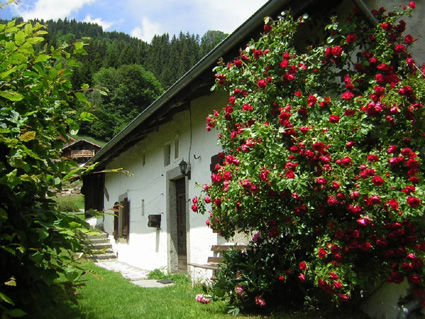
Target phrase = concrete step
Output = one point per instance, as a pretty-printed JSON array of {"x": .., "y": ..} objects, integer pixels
[
  {"x": 99, "y": 236},
  {"x": 220, "y": 248},
  {"x": 103, "y": 256},
  {"x": 98, "y": 246},
  {"x": 205, "y": 266},
  {"x": 216, "y": 260},
  {"x": 99, "y": 240}
]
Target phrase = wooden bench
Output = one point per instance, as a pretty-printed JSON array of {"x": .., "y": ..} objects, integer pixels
[{"x": 213, "y": 262}]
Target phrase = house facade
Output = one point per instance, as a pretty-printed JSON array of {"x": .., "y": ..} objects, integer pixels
[{"x": 153, "y": 226}]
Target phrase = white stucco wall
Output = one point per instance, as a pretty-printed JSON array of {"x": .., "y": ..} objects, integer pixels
[{"x": 147, "y": 247}]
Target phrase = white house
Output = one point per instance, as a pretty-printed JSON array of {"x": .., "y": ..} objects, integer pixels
[{"x": 155, "y": 227}]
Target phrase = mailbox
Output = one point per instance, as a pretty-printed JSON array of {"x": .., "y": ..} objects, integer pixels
[{"x": 154, "y": 221}]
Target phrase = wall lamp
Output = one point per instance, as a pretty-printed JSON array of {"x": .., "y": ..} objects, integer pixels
[{"x": 184, "y": 168}]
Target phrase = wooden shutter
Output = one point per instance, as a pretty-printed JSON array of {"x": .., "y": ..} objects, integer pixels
[
  {"x": 116, "y": 210},
  {"x": 126, "y": 218}
]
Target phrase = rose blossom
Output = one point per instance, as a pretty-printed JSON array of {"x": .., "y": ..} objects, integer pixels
[
  {"x": 262, "y": 83},
  {"x": 334, "y": 118},
  {"x": 413, "y": 201},
  {"x": 260, "y": 301}
]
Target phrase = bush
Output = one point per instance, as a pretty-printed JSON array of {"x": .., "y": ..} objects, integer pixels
[
  {"x": 69, "y": 203},
  {"x": 323, "y": 157},
  {"x": 36, "y": 116}
]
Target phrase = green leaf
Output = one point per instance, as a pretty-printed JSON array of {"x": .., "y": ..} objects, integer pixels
[
  {"x": 85, "y": 86},
  {"x": 87, "y": 117},
  {"x": 11, "y": 282},
  {"x": 16, "y": 313},
  {"x": 81, "y": 97},
  {"x": 20, "y": 38},
  {"x": 42, "y": 58},
  {"x": 11, "y": 95},
  {"x": 6, "y": 298},
  {"x": 27, "y": 136}
]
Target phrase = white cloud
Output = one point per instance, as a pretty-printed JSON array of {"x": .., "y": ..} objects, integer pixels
[
  {"x": 51, "y": 9},
  {"x": 226, "y": 16},
  {"x": 104, "y": 24},
  {"x": 147, "y": 30}
]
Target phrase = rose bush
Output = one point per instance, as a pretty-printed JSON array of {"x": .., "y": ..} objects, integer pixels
[{"x": 323, "y": 152}]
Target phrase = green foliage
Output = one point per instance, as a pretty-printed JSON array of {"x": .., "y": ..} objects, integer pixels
[
  {"x": 130, "y": 90},
  {"x": 36, "y": 241},
  {"x": 323, "y": 160},
  {"x": 70, "y": 203}
]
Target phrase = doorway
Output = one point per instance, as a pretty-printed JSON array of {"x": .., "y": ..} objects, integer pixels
[{"x": 181, "y": 225}]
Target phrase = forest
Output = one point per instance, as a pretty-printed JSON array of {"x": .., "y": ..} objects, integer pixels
[{"x": 132, "y": 72}]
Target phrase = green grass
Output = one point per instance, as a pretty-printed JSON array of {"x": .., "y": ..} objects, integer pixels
[
  {"x": 107, "y": 295},
  {"x": 70, "y": 203}
]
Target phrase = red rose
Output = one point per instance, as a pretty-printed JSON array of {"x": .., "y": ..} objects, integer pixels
[
  {"x": 207, "y": 199},
  {"x": 412, "y": 4},
  {"x": 399, "y": 48},
  {"x": 259, "y": 300},
  {"x": 336, "y": 51},
  {"x": 195, "y": 208},
  {"x": 386, "y": 26},
  {"x": 334, "y": 118},
  {"x": 414, "y": 279},
  {"x": 267, "y": 28},
  {"x": 413, "y": 201},
  {"x": 311, "y": 100},
  {"x": 301, "y": 277},
  {"x": 337, "y": 284},
  {"x": 247, "y": 107},
  {"x": 392, "y": 203},
  {"x": 262, "y": 83},
  {"x": 408, "y": 39},
  {"x": 303, "y": 265},
  {"x": 289, "y": 174},
  {"x": 322, "y": 253},
  {"x": 378, "y": 181},
  {"x": 282, "y": 278},
  {"x": 347, "y": 95},
  {"x": 333, "y": 276},
  {"x": 351, "y": 38},
  {"x": 321, "y": 180},
  {"x": 391, "y": 149},
  {"x": 372, "y": 158}
]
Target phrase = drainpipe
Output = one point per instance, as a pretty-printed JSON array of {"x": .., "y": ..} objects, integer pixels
[{"x": 366, "y": 11}]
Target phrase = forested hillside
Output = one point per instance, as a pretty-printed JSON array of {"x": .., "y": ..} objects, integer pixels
[{"x": 134, "y": 72}]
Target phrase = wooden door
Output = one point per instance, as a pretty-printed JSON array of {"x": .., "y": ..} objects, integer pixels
[{"x": 181, "y": 225}]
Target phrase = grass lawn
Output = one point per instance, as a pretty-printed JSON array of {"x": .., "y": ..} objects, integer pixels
[
  {"x": 107, "y": 295},
  {"x": 70, "y": 203}
]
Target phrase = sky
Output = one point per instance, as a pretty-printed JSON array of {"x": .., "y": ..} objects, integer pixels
[{"x": 141, "y": 18}]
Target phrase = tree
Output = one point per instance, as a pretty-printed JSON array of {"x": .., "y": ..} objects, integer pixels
[
  {"x": 131, "y": 89},
  {"x": 322, "y": 160},
  {"x": 36, "y": 241}
]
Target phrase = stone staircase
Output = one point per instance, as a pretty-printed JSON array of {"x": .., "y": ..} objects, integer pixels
[{"x": 101, "y": 247}]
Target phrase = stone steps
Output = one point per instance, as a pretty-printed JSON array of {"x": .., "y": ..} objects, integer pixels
[{"x": 101, "y": 247}]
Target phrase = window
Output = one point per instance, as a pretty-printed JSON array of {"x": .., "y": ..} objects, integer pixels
[
  {"x": 176, "y": 148},
  {"x": 167, "y": 154},
  {"x": 122, "y": 219}
]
